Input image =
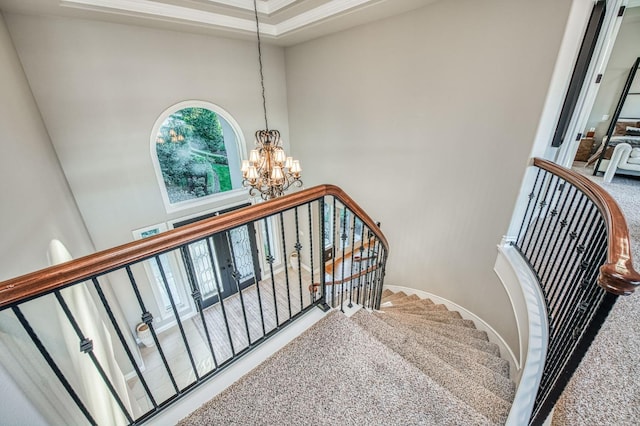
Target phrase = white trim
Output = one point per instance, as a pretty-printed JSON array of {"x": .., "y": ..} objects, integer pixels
[
  {"x": 172, "y": 222},
  {"x": 237, "y": 370},
  {"x": 494, "y": 336},
  {"x": 509, "y": 279},
  {"x": 563, "y": 69},
  {"x": 327, "y": 10},
  {"x": 210, "y": 199},
  {"x": 589, "y": 90},
  {"x": 179, "y": 276},
  {"x": 265, "y": 6},
  {"x": 164, "y": 11},
  {"x": 537, "y": 340}
]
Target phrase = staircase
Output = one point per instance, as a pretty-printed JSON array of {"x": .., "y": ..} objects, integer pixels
[
  {"x": 411, "y": 362},
  {"x": 447, "y": 348}
]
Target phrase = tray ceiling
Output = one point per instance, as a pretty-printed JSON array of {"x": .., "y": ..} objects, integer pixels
[{"x": 283, "y": 22}]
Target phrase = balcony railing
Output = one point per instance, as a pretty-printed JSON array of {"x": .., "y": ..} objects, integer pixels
[
  {"x": 575, "y": 239},
  {"x": 199, "y": 296}
]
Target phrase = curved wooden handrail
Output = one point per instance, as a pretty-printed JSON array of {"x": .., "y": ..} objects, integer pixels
[
  {"x": 372, "y": 268},
  {"x": 46, "y": 280},
  {"x": 617, "y": 275}
]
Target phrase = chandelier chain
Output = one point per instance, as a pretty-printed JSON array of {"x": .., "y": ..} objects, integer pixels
[
  {"x": 268, "y": 172},
  {"x": 264, "y": 99}
]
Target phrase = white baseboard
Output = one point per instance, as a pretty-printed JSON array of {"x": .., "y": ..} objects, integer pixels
[{"x": 493, "y": 335}]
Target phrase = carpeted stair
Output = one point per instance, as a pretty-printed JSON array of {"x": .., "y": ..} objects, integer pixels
[
  {"x": 411, "y": 362},
  {"x": 446, "y": 347}
]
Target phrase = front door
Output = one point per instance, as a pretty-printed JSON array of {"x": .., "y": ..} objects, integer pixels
[{"x": 224, "y": 263}]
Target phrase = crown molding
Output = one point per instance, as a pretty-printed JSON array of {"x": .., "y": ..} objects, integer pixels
[
  {"x": 163, "y": 10},
  {"x": 169, "y": 11},
  {"x": 324, "y": 11},
  {"x": 264, "y": 6}
]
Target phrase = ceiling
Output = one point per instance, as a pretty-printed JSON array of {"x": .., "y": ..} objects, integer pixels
[{"x": 282, "y": 22}]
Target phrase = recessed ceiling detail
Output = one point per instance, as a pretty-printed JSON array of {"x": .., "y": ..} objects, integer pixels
[
  {"x": 283, "y": 22},
  {"x": 165, "y": 10}
]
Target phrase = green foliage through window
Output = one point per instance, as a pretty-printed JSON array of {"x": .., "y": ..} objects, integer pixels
[{"x": 193, "y": 158}]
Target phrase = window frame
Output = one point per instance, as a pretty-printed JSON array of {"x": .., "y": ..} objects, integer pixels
[
  {"x": 241, "y": 152},
  {"x": 175, "y": 271}
]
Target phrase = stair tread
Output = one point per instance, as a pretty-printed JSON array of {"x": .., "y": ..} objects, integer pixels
[
  {"x": 386, "y": 293},
  {"x": 428, "y": 313},
  {"x": 395, "y": 296},
  {"x": 460, "y": 333},
  {"x": 475, "y": 395},
  {"x": 457, "y": 332},
  {"x": 428, "y": 337},
  {"x": 405, "y": 302},
  {"x": 461, "y": 357}
]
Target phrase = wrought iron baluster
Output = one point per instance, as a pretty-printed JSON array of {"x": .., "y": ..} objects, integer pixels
[
  {"x": 378, "y": 276},
  {"x": 324, "y": 305},
  {"x": 362, "y": 259},
  {"x": 353, "y": 245},
  {"x": 546, "y": 403},
  {"x": 123, "y": 342},
  {"x": 531, "y": 207},
  {"x": 545, "y": 186},
  {"x": 563, "y": 233},
  {"x": 562, "y": 301},
  {"x": 572, "y": 193},
  {"x": 147, "y": 318},
  {"x": 321, "y": 221},
  {"x": 177, "y": 317},
  {"x": 284, "y": 261},
  {"x": 86, "y": 346},
  {"x": 298, "y": 248},
  {"x": 565, "y": 350},
  {"x": 343, "y": 238},
  {"x": 236, "y": 277},
  {"x": 220, "y": 298},
  {"x": 334, "y": 213},
  {"x": 570, "y": 308},
  {"x": 270, "y": 260},
  {"x": 568, "y": 248},
  {"x": 546, "y": 223},
  {"x": 196, "y": 294},
  {"x": 52, "y": 364}
]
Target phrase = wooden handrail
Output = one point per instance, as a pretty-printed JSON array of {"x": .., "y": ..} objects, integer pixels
[
  {"x": 359, "y": 274},
  {"x": 617, "y": 275},
  {"x": 49, "y": 279}
]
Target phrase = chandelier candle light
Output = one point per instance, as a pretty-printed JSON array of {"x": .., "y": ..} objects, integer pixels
[{"x": 268, "y": 171}]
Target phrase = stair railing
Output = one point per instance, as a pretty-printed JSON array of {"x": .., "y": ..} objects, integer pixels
[
  {"x": 575, "y": 239},
  {"x": 313, "y": 248}
]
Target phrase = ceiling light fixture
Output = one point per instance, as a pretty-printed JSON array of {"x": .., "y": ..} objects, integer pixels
[{"x": 268, "y": 172}]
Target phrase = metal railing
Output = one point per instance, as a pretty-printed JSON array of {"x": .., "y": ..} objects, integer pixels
[
  {"x": 575, "y": 240},
  {"x": 201, "y": 296}
]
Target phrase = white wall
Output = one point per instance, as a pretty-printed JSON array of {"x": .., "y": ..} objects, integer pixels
[
  {"x": 101, "y": 87},
  {"x": 37, "y": 206},
  {"x": 427, "y": 120},
  {"x": 624, "y": 53}
]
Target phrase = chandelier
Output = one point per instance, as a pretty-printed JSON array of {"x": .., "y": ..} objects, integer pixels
[{"x": 268, "y": 172}]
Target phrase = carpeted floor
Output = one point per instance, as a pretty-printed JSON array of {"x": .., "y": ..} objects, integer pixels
[
  {"x": 606, "y": 388},
  {"x": 336, "y": 374}
]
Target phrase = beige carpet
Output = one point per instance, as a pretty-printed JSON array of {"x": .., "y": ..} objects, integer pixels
[
  {"x": 605, "y": 389},
  {"x": 383, "y": 368}
]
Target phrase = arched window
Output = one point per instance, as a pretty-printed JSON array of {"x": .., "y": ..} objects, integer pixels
[{"x": 195, "y": 148}]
